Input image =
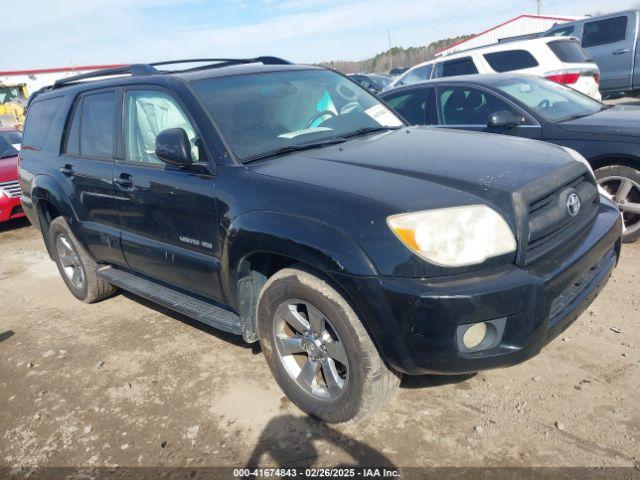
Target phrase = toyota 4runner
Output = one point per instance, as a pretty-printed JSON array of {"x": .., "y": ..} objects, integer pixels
[{"x": 286, "y": 204}]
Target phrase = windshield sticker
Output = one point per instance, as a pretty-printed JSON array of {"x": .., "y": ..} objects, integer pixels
[
  {"x": 304, "y": 132},
  {"x": 17, "y": 146},
  {"x": 383, "y": 116}
]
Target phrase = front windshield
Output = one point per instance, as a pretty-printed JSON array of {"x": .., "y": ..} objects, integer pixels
[
  {"x": 262, "y": 113},
  {"x": 552, "y": 101},
  {"x": 382, "y": 81}
]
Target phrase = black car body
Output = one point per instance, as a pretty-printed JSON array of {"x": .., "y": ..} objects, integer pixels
[
  {"x": 371, "y": 81},
  {"x": 219, "y": 238},
  {"x": 607, "y": 137}
]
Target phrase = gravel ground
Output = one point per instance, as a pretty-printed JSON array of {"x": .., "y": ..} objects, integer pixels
[{"x": 126, "y": 383}]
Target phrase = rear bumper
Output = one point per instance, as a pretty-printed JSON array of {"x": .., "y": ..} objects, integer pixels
[
  {"x": 415, "y": 321},
  {"x": 10, "y": 208}
]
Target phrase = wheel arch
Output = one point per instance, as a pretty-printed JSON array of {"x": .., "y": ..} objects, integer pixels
[
  {"x": 258, "y": 244},
  {"x": 610, "y": 159},
  {"x": 49, "y": 203}
]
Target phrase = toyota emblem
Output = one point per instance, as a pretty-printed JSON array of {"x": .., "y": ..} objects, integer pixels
[{"x": 573, "y": 204}]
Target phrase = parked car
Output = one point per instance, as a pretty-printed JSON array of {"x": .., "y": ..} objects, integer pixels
[
  {"x": 287, "y": 204},
  {"x": 532, "y": 107},
  {"x": 612, "y": 41},
  {"x": 559, "y": 59},
  {"x": 394, "y": 72},
  {"x": 372, "y": 82},
  {"x": 10, "y": 208}
]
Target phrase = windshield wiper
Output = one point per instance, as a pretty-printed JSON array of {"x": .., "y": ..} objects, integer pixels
[
  {"x": 576, "y": 116},
  {"x": 365, "y": 130},
  {"x": 293, "y": 148}
]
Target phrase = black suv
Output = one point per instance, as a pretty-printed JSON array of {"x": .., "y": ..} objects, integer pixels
[{"x": 286, "y": 204}]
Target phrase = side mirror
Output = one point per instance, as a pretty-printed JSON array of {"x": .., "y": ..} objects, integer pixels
[
  {"x": 173, "y": 147},
  {"x": 505, "y": 119}
]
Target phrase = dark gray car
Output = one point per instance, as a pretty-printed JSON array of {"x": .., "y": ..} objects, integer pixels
[{"x": 532, "y": 107}]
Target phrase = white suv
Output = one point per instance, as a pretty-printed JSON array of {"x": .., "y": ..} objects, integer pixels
[{"x": 560, "y": 59}]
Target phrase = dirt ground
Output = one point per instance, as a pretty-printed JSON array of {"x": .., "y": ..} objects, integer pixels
[{"x": 125, "y": 383}]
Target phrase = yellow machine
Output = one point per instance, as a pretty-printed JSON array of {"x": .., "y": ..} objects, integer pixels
[{"x": 13, "y": 100}]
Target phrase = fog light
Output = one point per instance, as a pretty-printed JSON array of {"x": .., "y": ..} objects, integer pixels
[{"x": 474, "y": 335}]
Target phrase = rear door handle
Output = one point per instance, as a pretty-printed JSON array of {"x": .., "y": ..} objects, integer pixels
[
  {"x": 124, "y": 181},
  {"x": 620, "y": 51},
  {"x": 67, "y": 170}
]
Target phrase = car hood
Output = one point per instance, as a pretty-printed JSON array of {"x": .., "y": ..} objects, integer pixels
[
  {"x": 619, "y": 120},
  {"x": 8, "y": 169},
  {"x": 419, "y": 168}
]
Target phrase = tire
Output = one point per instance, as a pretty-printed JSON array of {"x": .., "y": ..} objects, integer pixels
[
  {"x": 364, "y": 383},
  {"x": 623, "y": 181},
  {"x": 77, "y": 268}
]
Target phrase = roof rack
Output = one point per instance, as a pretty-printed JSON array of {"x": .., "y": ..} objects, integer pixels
[{"x": 139, "y": 69}]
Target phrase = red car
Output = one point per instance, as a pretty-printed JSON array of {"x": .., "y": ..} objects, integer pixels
[{"x": 10, "y": 208}]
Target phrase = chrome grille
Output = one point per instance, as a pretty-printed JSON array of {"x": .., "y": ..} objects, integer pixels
[{"x": 12, "y": 189}]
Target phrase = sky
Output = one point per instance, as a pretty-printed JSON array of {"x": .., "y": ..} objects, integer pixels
[{"x": 59, "y": 33}]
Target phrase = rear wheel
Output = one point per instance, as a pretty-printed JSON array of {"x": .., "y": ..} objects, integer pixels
[
  {"x": 77, "y": 268},
  {"x": 318, "y": 350},
  {"x": 623, "y": 184}
]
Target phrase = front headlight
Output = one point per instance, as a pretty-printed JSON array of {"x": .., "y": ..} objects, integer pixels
[
  {"x": 3, "y": 193},
  {"x": 454, "y": 237},
  {"x": 579, "y": 158}
]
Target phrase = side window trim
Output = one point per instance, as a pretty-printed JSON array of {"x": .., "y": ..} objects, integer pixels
[
  {"x": 204, "y": 149},
  {"x": 531, "y": 122}
]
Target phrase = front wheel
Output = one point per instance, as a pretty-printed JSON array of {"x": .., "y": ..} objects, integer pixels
[
  {"x": 623, "y": 184},
  {"x": 318, "y": 350}
]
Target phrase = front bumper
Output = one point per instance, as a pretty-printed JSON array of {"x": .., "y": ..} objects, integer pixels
[
  {"x": 10, "y": 208},
  {"x": 414, "y": 321}
]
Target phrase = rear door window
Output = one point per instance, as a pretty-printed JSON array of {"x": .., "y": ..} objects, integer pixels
[
  {"x": 510, "y": 60},
  {"x": 411, "y": 104},
  {"x": 97, "y": 125},
  {"x": 460, "y": 66},
  {"x": 569, "y": 51},
  {"x": 39, "y": 120},
  {"x": 604, "y": 32}
]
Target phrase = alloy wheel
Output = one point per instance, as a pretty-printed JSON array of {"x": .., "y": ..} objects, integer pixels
[
  {"x": 626, "y": 195},
  {"x": 310, "y": 349},
  {"x": 71, "y": 265}
]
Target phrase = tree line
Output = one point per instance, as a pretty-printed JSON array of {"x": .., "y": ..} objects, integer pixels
[{"x": 393, "y": 58}]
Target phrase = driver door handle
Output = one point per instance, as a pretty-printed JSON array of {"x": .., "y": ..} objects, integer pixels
[
  {"x": 67, "y": 170},
  {"x": 124, "y": 181},
  {"x": 620, "y": 51}
]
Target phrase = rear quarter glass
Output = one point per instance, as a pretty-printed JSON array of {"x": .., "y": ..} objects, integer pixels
[
  {"x": 510, "y": 60},
  {"x": 569, "y": 51},
  {"x": 39, "y": 121}
]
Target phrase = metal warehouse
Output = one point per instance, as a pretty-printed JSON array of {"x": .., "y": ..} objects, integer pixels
[{"x": 521, "y": 26}]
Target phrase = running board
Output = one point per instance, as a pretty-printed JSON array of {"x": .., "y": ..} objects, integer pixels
[{"x": 204, "y": 312}]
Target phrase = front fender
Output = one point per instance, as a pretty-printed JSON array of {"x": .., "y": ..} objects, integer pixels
[{"x": 313, "y": 243}]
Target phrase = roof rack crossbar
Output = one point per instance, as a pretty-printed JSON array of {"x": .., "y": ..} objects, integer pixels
[
  {"x": 149, "y": 69},
  {"x": 224, "y": 62},
  {"x": 135, "y": 69}
]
